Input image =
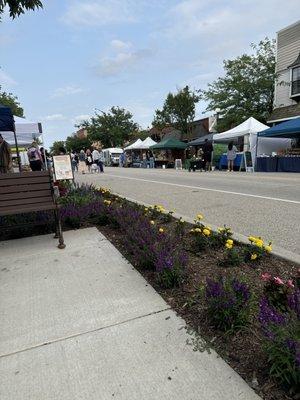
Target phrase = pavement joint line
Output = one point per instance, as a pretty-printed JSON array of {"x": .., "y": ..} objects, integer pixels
[
  {"x": 83, "y": 333},
  {"x": 207, "y": 189},
  {"x": 277, "y": 250}
]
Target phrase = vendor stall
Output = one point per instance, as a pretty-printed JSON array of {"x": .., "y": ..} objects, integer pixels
[
  {"x": 167, "y": 151},
  {"x": 287, "y": 160}
]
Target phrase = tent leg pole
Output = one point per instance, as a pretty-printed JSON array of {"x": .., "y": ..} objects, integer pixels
[
  {"x": 17, "y": 149},
  {"x": 255, "y": 161}
]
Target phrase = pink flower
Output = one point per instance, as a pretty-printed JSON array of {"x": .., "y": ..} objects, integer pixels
[
  {"x": 290, "y": 283},
  {"x": 266, "y": 277},
  {"x": 278, "y": 281}
]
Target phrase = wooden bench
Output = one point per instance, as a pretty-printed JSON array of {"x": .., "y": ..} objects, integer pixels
[{"x": 29, "y": 192}]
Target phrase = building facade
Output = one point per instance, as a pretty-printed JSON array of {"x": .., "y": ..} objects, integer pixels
[{"x": 287, "y": 88}]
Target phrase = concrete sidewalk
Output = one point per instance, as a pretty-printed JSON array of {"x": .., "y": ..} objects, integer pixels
[{"x": 81, "y": 323}]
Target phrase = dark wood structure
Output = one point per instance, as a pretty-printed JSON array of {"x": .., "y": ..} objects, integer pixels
[{"x": 29, "y": 192}]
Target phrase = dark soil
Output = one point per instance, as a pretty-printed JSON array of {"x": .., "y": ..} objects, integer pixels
[{"x": 243, "y": 350}]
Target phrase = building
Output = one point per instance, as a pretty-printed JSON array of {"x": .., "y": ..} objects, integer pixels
[
  {"x": 81, "y": 133},
  {"x": 287, "y": 88}
]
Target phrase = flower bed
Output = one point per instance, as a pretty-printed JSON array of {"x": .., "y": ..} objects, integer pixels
[{"x": 240, "y": 298}]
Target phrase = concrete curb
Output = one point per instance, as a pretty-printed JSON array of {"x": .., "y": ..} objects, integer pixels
[{"x": 277, "y": 250}]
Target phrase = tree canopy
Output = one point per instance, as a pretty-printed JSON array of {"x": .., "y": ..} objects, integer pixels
[
  {"x": 178, "y": 110},
  {"x": 9, "y": 100},
  {"x": 17, "y": 8},
  {"x": 54, "y": 149},
  {"x": 247, "y": 89},
  {"x": 76, "y": 144},
  {"x": 112, "y": 128}
]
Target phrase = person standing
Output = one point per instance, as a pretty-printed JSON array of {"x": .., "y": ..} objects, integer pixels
[
  {"x": 35, "y": 157},
  {"x": 151, "y": 159},
  {"x": 231, "y": 156},
  {"x": 88, "y": 159},
  {"x": 101, "y": 160},
  {"x": 82, "y": 165},
  {"x": 96, "y": 158},
  {"x": 207, "y": 154},
  {"x": 74, "y": 161},
  {"x": 5, "y": 157}
]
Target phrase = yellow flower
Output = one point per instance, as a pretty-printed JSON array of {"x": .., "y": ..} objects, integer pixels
[
  {"x": 253, "y": 256},
  {"x": 108, "y": 202},
  {"x": 199, "y": 217},
  {"x": 146, "y": 209},
  {"x": 198, "y": 230},
  {"x": 152, "y": 222},
  {"x": 192, "y": 230},
  {"x": 251, "y": 238},
  {"x": 268, "y": 249},
  {"x": 229, "y": 241},
  {"x": 228, "y": 246},
  {"x": 259, "y": 243},
  {"x": 161, "y": 230},
  {"x": 206, "y": 232},
  {"x": 220, "y": 230}
]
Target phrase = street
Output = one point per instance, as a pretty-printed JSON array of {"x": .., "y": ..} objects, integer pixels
[{"x": 266, "y": 205}]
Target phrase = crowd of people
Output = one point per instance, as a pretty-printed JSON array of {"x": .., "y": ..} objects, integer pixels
[{"x": 87, "y": 161}]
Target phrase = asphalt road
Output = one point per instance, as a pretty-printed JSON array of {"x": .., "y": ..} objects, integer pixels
[{"x": 266, "y": 205}]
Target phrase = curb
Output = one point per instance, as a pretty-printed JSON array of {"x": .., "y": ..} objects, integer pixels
[{"x": 277, "y": 250}]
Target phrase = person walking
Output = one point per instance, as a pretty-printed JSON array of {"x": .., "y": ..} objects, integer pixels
[
  {"x": 74, "y": 161},
  {"x": 35, "y": 157},
  {"x": 101, "y": 160},
  {"x": 5, "y": 157},
  {"x": 207, "y": 154},
  {"x": 231, "y": 156},
  {"x": 81, "y": 164},
  {"x": 96, "y": 158},
  {"x": 89, "y": 159}
]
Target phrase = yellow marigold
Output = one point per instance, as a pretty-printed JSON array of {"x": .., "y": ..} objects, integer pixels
[
  {"x": 253, "y": 256},
  {"x": 197, "y": 230},
  {"x": 220, "y": 230},
  {"x": 146, "y": 209},
  {"x": 228, "y": 246},
  {"x": 152, "y": 222},
  {"x": 229, "y": 241},
  {"x": 161, "y": 230},
  {"x": 206, "y": 232},
  {"x": 251, "y": 238},
  {"x": 259, "y": 243},
  {"x": 108, "y": 202},
  {"x": 268, "y": 249},
  {"x": 199, "y": 217}
]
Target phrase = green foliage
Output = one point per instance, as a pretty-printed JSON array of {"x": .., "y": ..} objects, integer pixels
[
  {"x": 54, "y": 149},
  {"x": 76, "y": 144},
  {"x": 18, "y": 7},
  {"x": 178, "y": 110},
  {"x": 9, "y": 100},
  {"x": 170, "y": 278},
  {"x": 112, "y": 128},
  {"x": 247, "y": 89},
  {"x": 232, "y": 258}
]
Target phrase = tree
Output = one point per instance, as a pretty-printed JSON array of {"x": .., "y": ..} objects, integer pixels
[
  {"x": 247, "y": 89},
  {"x": 54, "y": 149},
  {"x": 17, "y": 8},
  {"x": 178, "y": 110},
  {"x": 9, "y": 100},
  {"x": 112, "y": 128},
  {"x": 76, "y": 144}
]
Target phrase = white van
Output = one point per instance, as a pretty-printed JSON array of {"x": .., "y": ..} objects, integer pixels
[{"x": 112, "y": 156}]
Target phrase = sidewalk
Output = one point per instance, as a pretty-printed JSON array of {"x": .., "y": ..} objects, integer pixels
[{"x": 81, "y": 323}]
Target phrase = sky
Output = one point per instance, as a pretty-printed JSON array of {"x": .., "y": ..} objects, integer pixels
[{"x": 73, "y": 57}]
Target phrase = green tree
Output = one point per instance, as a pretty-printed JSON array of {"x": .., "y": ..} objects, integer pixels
[
  {"x": 247, "y": 89},
  {"x": 9, "y": 100},
  {"x": 17, "y": 8},
  {"x": 76, "y": 144},
  {"x": 54, "y": 149},
  {"x": 178, "y": 110},
  {"x": 112, "y": 128}
]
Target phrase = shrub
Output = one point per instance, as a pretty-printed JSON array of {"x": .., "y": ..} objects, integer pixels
[
  {"x": 282, "y": 340},
  {"x": 232, "y": 256},
  {"x": 256, "y": 249},
  {"x": 228, "y": 303},
  {"x": 277, "y": 291}
]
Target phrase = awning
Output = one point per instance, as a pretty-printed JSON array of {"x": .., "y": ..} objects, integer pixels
[
  {"x": 201, "y": 140},
  {"x": 250, "y": 126},
  {"x": 26, "y": 131},
  {"x": 169, "y": 144},
  {"x": 147, "y": 143},
  {"x": 288, "y": 129},
  {"x": 134, "y": 145}
]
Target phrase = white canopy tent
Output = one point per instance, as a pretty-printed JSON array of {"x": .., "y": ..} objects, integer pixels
[
  {"x": 249, "y": 129},
  {"x": 26, "y": 132},
  {"x": 145, "y": 145},
  {"x": 134, "y": 145}
]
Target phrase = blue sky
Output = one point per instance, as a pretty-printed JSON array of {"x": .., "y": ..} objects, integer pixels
[{"x": 73, "y": 56}]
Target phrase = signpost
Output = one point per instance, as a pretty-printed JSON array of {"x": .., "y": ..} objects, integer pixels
[{"x": 63, "y": 167}]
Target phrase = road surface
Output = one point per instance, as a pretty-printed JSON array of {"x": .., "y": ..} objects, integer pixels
[{"x": 266, "y": 205}]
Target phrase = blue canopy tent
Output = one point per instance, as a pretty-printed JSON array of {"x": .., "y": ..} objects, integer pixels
[
  {"x": 287, "y": 129},
  {"x": 7, "y": 124}
]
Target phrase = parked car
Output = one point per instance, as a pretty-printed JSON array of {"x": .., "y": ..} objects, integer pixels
[{"x": 112, "y": 156}]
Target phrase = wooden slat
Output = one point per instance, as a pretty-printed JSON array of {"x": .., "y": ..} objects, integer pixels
[
  {"x": 24, "y": 188},
  {"x": 20, "y": 202},
  {"x": 26, "y": 209},
  {"x": 25, "y": 181},
  {"x": 26, "y": 195},
  {"x": 21, "y": 175}
]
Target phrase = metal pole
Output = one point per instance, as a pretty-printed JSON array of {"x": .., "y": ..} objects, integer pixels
[
  {"x": 17, "y": 148},
  {"x": 255, "y": 161}
]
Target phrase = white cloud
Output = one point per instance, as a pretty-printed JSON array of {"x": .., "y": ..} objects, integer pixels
[
  {"x": 120, "y": 45},
  {"x": 66, "y": 91},
  {"x": 79, "y": 118},
  {"x": 54, "y": 117},
  {"x": 5, "y": 80},
  {"x": 98, "y": 13},
  {"x": 123, "y": 61}
]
